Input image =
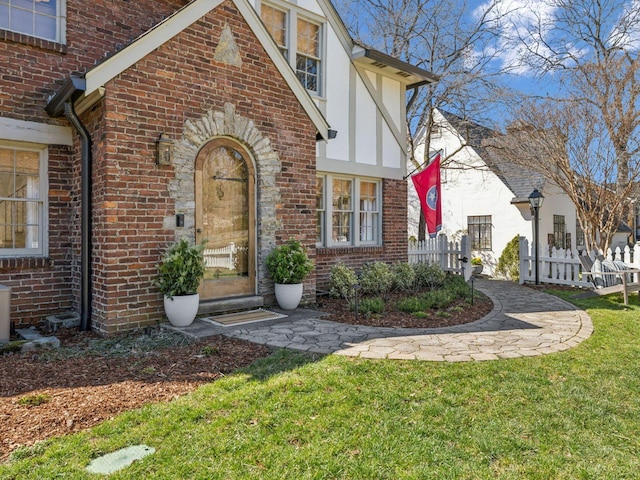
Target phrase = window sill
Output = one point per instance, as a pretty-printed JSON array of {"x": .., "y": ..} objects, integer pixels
[
  {"x": 8, "y": 264},
  {"x": 339, "y": 250},
  {"x": 9, "y": 36}
]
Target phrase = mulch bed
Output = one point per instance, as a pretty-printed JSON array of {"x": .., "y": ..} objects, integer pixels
[
  {"x": 92, "y": 379},
  {"x": 456, "y": 314}
]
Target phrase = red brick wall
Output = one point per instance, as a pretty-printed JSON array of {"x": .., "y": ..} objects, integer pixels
[
  {"x": 180, "y": 81},
  {"x": 30, "y": 71},
  {"x": 394, "y": 237}
]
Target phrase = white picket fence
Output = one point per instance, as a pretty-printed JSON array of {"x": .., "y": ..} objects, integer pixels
[
  {"x": 221, "y": 257},
  {"x": 562, "y": 267},
  {"x": 441, "y": 251}
]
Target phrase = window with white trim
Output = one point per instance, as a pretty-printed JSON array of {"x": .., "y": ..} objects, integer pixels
[
  {"x": 36, "y": 18},
  {"x": 299, "y": 36},
  {"x": 276, "y": 22},
  {"x": 23, "y": 201},
  {"x": 348, "y": 211}
]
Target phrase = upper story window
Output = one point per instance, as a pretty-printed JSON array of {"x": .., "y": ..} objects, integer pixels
[
  {"x": 299, "y": 38},
  {"x": 36, "y": 18},
  {"x": 276, "y": 22},
  {"x": 308, "y": 55},
  {"x": 23, "y": 201}
]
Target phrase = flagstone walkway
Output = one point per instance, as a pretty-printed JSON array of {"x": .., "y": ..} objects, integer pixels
[{"x": 523, "y": 323}]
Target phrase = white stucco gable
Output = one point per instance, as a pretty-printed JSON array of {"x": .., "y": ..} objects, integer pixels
[{"x": 476, "y": 188}]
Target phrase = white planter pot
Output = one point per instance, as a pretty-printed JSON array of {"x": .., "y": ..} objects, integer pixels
[
  {"x": 288, "y": 296},
  {"x": 182, "y": 310}
]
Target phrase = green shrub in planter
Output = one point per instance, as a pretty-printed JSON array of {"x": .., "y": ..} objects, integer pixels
[
  {"x": 181, "y": 269},
  {"x": 289, "y": 263}
]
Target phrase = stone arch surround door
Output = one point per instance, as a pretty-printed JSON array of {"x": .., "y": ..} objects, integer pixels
[{"x": 236, "y": 207}]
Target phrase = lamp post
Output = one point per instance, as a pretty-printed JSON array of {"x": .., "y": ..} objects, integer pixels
[{"x": 535, "y": 199}]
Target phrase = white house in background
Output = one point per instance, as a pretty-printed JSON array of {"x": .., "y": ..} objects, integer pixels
[{"x": 486, "y": 197}]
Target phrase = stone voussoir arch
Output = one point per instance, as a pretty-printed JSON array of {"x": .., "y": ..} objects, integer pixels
[{"x": 229, "y": 124}]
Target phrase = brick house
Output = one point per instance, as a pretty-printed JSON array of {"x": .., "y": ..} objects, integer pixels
[{"x": 125, "y": 125}]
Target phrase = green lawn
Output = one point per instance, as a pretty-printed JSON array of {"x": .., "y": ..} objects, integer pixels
[{"x": 574, "y": 414}]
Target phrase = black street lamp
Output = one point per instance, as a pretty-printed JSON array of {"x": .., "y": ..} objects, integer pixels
[{"x": 535, "y": 199}]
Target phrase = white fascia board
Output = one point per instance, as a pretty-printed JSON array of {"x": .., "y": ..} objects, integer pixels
[
  {"x": 338, "y": 26},
  {"x": 258, "y": 28},
  {"x": 34, "y": 132},
  {"x": 147, "y": 43}
]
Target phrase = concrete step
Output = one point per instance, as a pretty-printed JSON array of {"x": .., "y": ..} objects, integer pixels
[{"x": 228, "y": 305}]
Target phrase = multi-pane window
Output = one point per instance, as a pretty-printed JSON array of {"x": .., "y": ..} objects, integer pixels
[
  {"x": 36, "y": 18},
  {"x": 320, "y": 210},
  {"x": 369, "y": 212},
  {"x": 276, "y": 22},
  {"x": 348, "y": 211},
  {"x": 22, "y": 201},
  {"x": 342, "y": 218},
  {"x": 308, "y": 54},
  {"x": 299, "y": 36},
  {"x": 559, "y": 230},
  {"x": 479, "y": 228},
  {"x": 579, "y": 234}
]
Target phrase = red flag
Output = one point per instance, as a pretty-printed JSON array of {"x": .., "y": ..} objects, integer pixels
[{"x": 427, "y": 184}]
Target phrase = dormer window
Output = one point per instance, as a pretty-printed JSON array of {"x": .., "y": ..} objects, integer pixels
[
  {"x": 36, "y": 18},
  {"x": 297, "y": 31}
]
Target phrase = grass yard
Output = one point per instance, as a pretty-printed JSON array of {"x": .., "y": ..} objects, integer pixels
[{"x": 574, "y": 414}]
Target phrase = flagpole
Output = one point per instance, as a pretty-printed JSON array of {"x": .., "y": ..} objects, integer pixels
[{"x": 423, "y": 164}]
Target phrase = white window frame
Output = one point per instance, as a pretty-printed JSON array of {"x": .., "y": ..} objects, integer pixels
[
  {"x": 327, "y": 227},
  {"x": 42, "y": 249},
  {"x": 61, "y": 20},
  {"x": 293, "y": 12}
]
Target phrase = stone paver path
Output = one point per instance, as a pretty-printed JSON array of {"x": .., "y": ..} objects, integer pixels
[{"x": 523, "y": 323}]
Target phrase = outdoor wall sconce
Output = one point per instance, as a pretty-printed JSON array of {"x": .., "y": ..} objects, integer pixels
[{"x": 164, "y": 150}]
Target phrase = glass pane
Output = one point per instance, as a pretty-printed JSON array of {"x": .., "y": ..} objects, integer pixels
[
  {"x": 4, "y": 16},
  {"x": 21, "y": 21},
  {"x": 226, "y": 213},
  {"x": 341, "y": 194},
  {"x": 46, "y": 27},
  {"x": 25, "y": 4},
  {"x": 341, "y": 227},
  {"x": 320, "y": 227},
  {"x": 308, "y": 38},
  {"x": 275, "y": 21},
  {"x": 47, "y": 7},
  {"x": 368, "y": 227},
  {"x": 6, "y": 186},
  {"x": 27, "y": 162},
  {"x": 320, "y": 193},
  {"x": 368, "y": 200}
]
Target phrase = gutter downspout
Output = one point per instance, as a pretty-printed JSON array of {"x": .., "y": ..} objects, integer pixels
[{"x": 85, "y": 216}]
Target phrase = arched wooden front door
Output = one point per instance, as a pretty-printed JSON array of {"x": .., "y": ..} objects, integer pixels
[{"x": 225, "y": 218}]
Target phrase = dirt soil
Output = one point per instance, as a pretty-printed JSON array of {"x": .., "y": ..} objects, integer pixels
[{"x": 91, "y": 379}]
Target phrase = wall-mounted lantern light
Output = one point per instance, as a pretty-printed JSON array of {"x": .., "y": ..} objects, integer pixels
[{"x": 164, "y": 150}]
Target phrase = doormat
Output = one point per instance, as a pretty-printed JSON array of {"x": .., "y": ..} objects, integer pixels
[{"x": 239, "y": 318}]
